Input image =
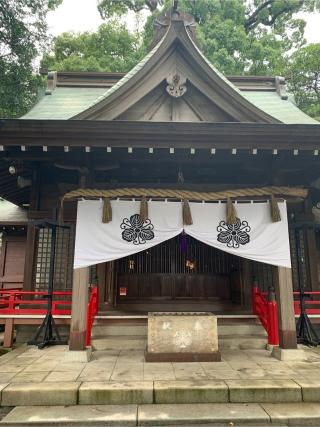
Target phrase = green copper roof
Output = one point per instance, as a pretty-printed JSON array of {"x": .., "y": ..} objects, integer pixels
[
  {"x": 283, "y": 110},
  {"x": 64, "y": 103},
  {"x": 67, "y": 102}
]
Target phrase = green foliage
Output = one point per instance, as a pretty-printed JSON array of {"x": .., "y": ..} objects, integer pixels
[
  {"x": 109, "y": 8},
  {"x": 237, "y": 36},
  {"x": 239, "y": 40},
  {"x": 22, "y": 37},
  {"x": 304, "y": 74},
  {"x": 112, "y": 48}
]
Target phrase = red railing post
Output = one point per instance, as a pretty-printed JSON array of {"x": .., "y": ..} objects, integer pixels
[
  {"x": 272, "y": 318},
  {"x": 255, "y": 292},
  {"x": 11, "y": 305},
  {"x": 267, "y": 311},
  {"x": 92, "y": 311}
]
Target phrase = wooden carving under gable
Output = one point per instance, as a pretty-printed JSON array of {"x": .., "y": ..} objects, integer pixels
[{"x": 176, "y": 85}]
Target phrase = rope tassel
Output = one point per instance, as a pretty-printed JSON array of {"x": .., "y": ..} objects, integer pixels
[
  {"x": 275, "y": 211},
  {"x": 106, "y": 211},
  {"x": 186, "y": 213},
  {"x": 144, "y": 213},
  {"x": 231, "y": 212}
]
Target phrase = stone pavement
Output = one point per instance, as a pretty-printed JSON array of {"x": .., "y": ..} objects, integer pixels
[
  {"x": 249, "y": 387},
  {"x": 28, "y": 364},
  {"x": 29, "y": 376}
]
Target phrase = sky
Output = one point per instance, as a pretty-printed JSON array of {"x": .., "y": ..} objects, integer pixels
[
  {"x": 82, "y": 15},
  {"x": 86, "y": 17}
]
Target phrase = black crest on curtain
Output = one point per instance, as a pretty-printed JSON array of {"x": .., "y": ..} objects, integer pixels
[
  {"x": 137, "y": 231},
  {"x": 234, "y": 235}
]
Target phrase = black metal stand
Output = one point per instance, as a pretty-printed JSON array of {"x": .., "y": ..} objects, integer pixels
[
  {"x": 306, "y": 334},
  {"x": 48, "y": 329}
]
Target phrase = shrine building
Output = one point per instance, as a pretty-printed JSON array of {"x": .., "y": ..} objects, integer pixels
[{"x": 181, "y": 188}]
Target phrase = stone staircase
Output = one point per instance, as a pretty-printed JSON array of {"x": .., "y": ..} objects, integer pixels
[
  {"x": 218, "y": 415},
  {"x": 132, "y": 335}
]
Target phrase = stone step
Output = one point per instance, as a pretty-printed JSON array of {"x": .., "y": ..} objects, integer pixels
[
  {"x": 229, "y": 414},
  {"x": 139, "y": 342},
  {"x": 132, "y": 342},
  {"x": 80, "y": 415},
  {"x": 142, "y": 329},
  {"x": 263, "y": 415},
  {"x": 242, "y": 342},
  {"x": 160, "y": 392},
  {"x": 119, "y": 330},
  {"x": 241, "y": 329}
]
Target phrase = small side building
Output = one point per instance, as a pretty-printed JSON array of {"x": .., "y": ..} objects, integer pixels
[{"x": 13, "y": 229}]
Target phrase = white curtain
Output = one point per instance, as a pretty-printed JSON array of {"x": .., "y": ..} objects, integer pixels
[{"x": 254, "y": 236}]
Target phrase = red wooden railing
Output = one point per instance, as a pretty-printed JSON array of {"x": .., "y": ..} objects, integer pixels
[
  {"x": 312, "y": 302},
  {"x": 24, "y": 302},
  {"x": 267, "y": 311},
  {"x": 15, "y": 302},
  {"x": 92, "y": 311}
]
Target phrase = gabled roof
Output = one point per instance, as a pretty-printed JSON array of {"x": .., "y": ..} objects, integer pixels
[
  {"x": 143, "y": 93},
  {"x": 176, "y": 56}
]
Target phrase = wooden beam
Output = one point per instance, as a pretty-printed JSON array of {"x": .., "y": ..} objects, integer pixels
[
  {"x": 284, "y": 294},
  {"x": 81, "y": 133},
  {"x": 78, "y": 325}
]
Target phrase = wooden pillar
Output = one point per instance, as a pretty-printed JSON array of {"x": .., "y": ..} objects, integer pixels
[
  {"x": 312, "y": 259},
  {"x": 247, "y": 283},
  {"x": 8, "y": 333},
  {"x": 284, "y": 294},
  {"x": 29, "y": 264},
  {"x": 78, "y": 325},
  {"x": 28, "y": 284}
]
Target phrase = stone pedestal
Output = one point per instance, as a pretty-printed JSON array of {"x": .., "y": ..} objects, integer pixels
[
  {"x": 182, "y": 337},
  {"x": 289, "y": 354}
]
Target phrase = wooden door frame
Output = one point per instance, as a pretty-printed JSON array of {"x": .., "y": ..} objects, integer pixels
[{"x": 104, "y": 276}]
